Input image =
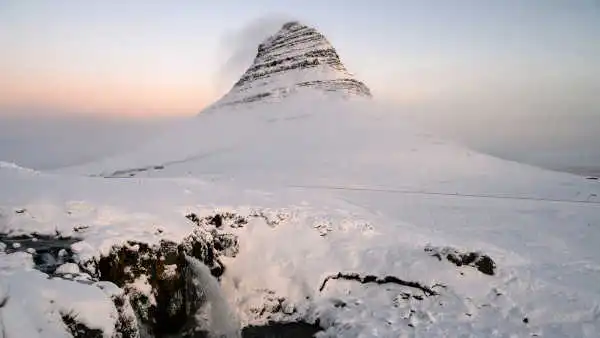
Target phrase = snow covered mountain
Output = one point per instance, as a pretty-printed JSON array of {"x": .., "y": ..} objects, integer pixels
[
  {"x": 318, "y": 209},
  {"x": 297, "y": 117},
  {"x": 294, "y": 58}
]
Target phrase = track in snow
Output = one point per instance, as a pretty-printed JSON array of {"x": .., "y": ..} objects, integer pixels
[{"x": 456, "y": 195}]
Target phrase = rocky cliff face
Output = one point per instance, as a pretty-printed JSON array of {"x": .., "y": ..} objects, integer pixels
[{"x": 297, "y": 57}]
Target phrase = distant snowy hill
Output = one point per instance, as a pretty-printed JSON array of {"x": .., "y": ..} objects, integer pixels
[{"x": 313, "y": 204}]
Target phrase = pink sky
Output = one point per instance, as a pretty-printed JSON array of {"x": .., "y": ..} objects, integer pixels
[
  {"x": 166, "y": 58},
  {"x": 104, "y": 96}
]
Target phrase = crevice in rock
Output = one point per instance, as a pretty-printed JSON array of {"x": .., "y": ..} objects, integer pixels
[
  {"x": 428, "y": 291},
  {"x": 484, "y": 263}
]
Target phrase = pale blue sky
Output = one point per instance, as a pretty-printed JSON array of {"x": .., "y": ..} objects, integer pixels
[{"x": 166, "y": 56}]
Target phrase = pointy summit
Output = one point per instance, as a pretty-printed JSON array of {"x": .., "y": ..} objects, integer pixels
[{"x": 295, "y": 58}]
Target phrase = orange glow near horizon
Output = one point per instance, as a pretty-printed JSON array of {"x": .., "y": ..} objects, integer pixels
[{"x": 103, "y": 97}]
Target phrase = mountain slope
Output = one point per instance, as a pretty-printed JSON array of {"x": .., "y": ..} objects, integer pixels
[
  {"x": 288, "y": 121},
  {"x": 323, "y": 141}
]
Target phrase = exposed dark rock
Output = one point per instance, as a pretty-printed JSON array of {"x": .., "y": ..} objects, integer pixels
[
  {"x": 482, "y": 262},
  {"x": 226, "y": 244},
  {"x": 216, "y": 220},
  {"x": 127, "y": 324},
  {"x": 232, "y": 220},
  {"x": 3, "y": 299},
  {"x": 350, "y": 85},
  {"x": 295, "y": 47},
  {"x": 160, "y": 267},
  {"x": 80, "y": 228},
  {"x": 130, "y": 172},
  {"x": 219, "y": 220},
  {"x": 338, "y": 303},
  {"x": 158, "y": 296},
  {"x": 271, "y": 220},
  {"x": 363, "y": 279},
  {"x": 592, "y": 178},
  {"x": 79, "y": 330},
  {"x": 172, "y": 302}
]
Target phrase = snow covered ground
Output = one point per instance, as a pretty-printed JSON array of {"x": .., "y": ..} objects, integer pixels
[
  {"x": 356, "y": 192},
  {"x": 353, "y": 218}
]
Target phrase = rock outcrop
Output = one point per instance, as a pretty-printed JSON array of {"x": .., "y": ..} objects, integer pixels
[
  {"x": 297, "y": 57},
  {"x": 155, "y": 279},
  {"x": 160, "y": 289},
  {"x": 478, "y": 260}
]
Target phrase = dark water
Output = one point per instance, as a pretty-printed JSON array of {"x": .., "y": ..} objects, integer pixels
[
  {"x": 270, "y": 330},
  {"x": 281, "y": 330},
  {"x": 50, "y": 251}
]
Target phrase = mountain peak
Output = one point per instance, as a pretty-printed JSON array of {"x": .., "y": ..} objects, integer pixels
[{"x": 297, "y": 57}]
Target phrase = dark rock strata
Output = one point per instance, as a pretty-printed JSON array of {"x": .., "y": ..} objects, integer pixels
[{"x": 299, "y": 48}]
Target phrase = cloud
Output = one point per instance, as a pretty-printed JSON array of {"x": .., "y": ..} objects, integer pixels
[{"x": 238, "y": 48}]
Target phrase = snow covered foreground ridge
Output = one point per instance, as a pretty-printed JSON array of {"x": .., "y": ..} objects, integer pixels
[{"x": 314, "y": 213}]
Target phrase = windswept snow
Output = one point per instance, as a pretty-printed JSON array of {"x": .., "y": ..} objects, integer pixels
[
  {"x": 307, "y": 141},
  {"x": 330, "y": 187},
  {"x": 547, "y": 261}
]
